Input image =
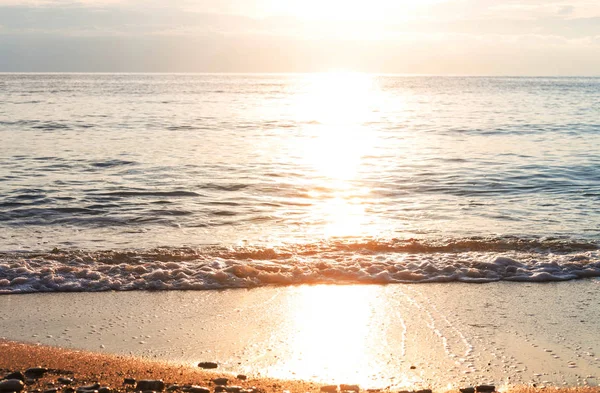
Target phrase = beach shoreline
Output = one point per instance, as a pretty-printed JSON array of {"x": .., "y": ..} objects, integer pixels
[
  {"x": 86, "y": 368},
  {"x": 434, "y": 336}
]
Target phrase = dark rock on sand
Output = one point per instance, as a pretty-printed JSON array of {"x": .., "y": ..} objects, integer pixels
[
  {"x": 220, "y": 381},
  {"x": 413, "y": 367},
  {"x": 104, "y": 389},
  {"x": 88, "y": 387},
  {"x": 329, "y": 388},
  {"x": 467, "y": 390},
  {"x": 11, "y": 385},
  {"x": 197, "y": 389},
  {"x": 16, "y": 375},
  {"x": 174, "y": 387},
  {"x": 349, "y": 388},
  {"x": 156, "y": 385},
  {"x": 233, "y": 389},
  {"x": 68, "y": 390},
  {"x": 51, "y": 390},
  {"x": 424, "y": 391},
  {"x": 64, "y": 381},
  {"x": 485, "y": 388},
  {"x": 35, "y": 372},
  {"x": 129, "y": 381},
  {"x": 241, "y": 377},
  {"x": 208, "y": 365},
  {"x": 219, "y": 389}
]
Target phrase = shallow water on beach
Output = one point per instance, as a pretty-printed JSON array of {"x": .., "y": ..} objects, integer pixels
[{"x": 215, "y": 181}]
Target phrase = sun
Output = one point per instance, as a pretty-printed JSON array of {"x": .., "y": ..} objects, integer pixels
[
  {"x": 334, "y": 10},
  {"x": 349, "y": 10}
]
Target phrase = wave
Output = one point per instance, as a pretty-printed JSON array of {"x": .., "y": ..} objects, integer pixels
[
  {"x": 470, "y": 260},
  {"x": 150, "y": 194}
]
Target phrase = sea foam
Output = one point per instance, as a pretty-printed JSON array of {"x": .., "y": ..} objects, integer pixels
[{"x": 338, "y": 263}]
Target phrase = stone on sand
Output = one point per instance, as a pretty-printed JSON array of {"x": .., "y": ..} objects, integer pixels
[
  {"x": 65, "y": 381},
  {"x": 36, "y": 372},
  {"x": 11, "y": 385},
  {"x": 16, "y": 375},
  {"x": 220, "y": 381},
  {"x": 196, "y": 389},
  {"x": 208, "y": 365},
  {"x": 156, "y": 385}
]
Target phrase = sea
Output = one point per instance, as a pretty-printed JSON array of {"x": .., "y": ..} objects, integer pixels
[{"x": 211, "y": 181}]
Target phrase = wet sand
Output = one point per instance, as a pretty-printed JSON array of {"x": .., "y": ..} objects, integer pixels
[
  {"x": 86, "y": 368},
  {"x": 401, "y": 337}
]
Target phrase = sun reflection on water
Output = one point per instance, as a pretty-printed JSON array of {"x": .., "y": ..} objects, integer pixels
[{"x": 339, "y": 108}]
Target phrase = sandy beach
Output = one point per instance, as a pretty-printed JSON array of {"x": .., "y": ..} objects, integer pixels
[
  {"x": 64, "y": 370},
  {"x": 86, "y": 368},
  {"x": 399, "y": 337}
]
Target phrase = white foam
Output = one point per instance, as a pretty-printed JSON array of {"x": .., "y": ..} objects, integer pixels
[{"x": 104, "y": 271}]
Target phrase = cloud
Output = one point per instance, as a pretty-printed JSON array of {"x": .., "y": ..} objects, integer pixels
[
  {"x": 453, "y": 36},
  {"x": 566, "y": 10}
]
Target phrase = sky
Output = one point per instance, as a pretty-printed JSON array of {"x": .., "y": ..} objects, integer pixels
[{"x": 443, "y": 37}]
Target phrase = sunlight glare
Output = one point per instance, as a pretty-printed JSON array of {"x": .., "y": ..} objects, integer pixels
[
  {"x": 338, "y": 109},
  {"x": 337, "y": 105},
  {"x": 332, "y": 334}
]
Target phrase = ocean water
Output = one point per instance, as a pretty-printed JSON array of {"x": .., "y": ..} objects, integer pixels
[{"x": 150, "y": 181}]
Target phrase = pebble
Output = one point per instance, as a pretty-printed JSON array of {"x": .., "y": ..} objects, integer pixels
[
  {"x": 197, "y": 389},
  {"x": 65, "y": 381},
  {"x": 220, "y": 381},
  {"x": 105, "y": 389},
  {"x": 485, "y": 388},
  {"x": 242, "y": 377},
  {"x": 208, "y": 365},
  {"x": 329, "y": 388},
  {"x": 129, "y": 381},
  {"x": 36, "y": 372},
  {"x": 52, "y": 390},
  {"x": 16, "y": 375},
  {"x": 470, "y": 389},
  {"x": 424, "y": 391},
  {"x": 219, "y": 388},
  {"x": 11, "y": 385},
  {"x": 156, "y": 385},
  {"x": 233, "y": 389},
  {"x": 88, "y": 388}
]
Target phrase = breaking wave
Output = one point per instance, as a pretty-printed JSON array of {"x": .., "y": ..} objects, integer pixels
[{"x": 473, "y": 260}]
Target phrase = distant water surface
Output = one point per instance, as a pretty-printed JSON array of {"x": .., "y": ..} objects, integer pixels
[{"x": 209, "y": 181}]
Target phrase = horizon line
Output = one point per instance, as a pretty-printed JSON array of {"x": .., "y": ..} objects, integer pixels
[{"x": 303, "y": 73}]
